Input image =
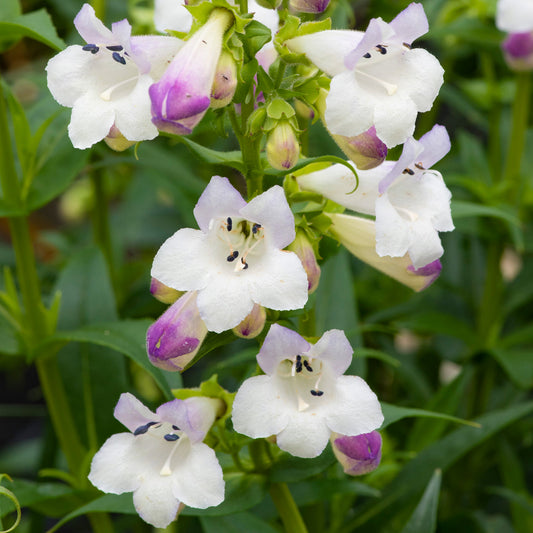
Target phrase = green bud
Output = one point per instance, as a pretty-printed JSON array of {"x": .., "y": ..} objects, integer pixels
[
  {"x": 282, "y": 148},
  {"x": 225, "y": 81}
]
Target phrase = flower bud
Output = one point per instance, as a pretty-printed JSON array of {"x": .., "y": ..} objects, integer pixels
[
  {"x": 309, "y": 6},
  {"x": 269, "y": 4},
  {"x": 164, "y": 294},
  {"x": 366, "y": 150},
  {"x": 282, "y": 148},
  {"x": 303, "y": 249},
  {"x": 175, "y": 337},
  {"x": 359, "y": 454},
  {"x": 253, "y": 324},
  {"x": 225, "y": 81},
  {"x": 116, "y": 141},
  {"x": 518, "y": 50},
  {"x": 183, "y": 94}
]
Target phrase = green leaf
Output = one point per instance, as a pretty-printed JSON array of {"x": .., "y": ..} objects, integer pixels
[
  {"x": 517, "y": 363},
  {"x": 393, "y": 413},
  {"x": 319, "y": 490},
  {"x": 214, "y": 157},
  {"x": 461, "y": 209},
  {"x": 9, "y": 9},
  {"x": 37, "y": 25},
  {"x": 424, "y": 518},
  {"x": 290, "y": 469},
  {"x": 6, "y": 493},
  {"x": 237, "y": 523},
  {"x": 376, "y": 354},
  {"x": 257, "y": 35},
  {"x": 127, "y": 337},
  {"x": 243, "y": 491}
]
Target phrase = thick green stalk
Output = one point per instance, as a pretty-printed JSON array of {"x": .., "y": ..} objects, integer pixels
[
  {"x": 287, "y": 509},
  {"x": 520, "y": 121}
]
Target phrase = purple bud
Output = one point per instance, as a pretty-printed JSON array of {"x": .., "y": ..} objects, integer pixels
[
  {"x": 225, "y": 81},
  {"x": 304, "y": 250},
  {"x": 358, "y": 455},
  {"x": 116, "y": 141},
  {"x": 309, "y": 6},
  {"x": 366, "y": 150},
  {"x": 164, "y": 294},
  {"x": 175, "y": 337},
  {"x": 183, "y": 94},
  {"x": 253, "y": 324},
  {"x": 518, "y": 50},
  {"x": 282, "y": 148}
]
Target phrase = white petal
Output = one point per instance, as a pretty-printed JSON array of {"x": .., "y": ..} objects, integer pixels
[
  {"x": 514, "y": 16},
  {"x": 349, "y": 109},
  {"x": 219, "y": 199},
  {"x": 157, "y": 50},
  {"x": 181, "y": 261},
  {"x": 394, "y": 119},
  {"x": 113, "y": 466},
  {"x": 306, "y": 435},
  {"x": 91, "y": 28},
  {"x": 68, "y": 74},
  {"x": 198, "y": 478},
  {"x": 326, "y": 49},
  {"x": 334, "y": 348},
  {"x": 90, "y": 121},
  {"x": 155, "y": 502},
  {"x": 392, "y": 230},
  {"x": 356, "y": 408},
  {"x": 425, "y": 246},
  {"x": 268, "y": 17},
  {"x": 436, "y": 143},
  {"x": 259, "y": 409},
  {"x": 225, "y": 301},
  {"x": 172, "y": 15},
  {"x": 279, "y": 281},
  {"x": 132, "y": 413}
]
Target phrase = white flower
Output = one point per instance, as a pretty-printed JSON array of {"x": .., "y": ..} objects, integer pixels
[
  {"x": 410, "y": 202},
  {"x": 172, "y": 15},
  {"x": 163, "y": 460},
  {"x": 377, "y": 78},
  {"x": 106, "y": 81},
  {"x": 304, "y": 397},
  {"x": 514, "y": 16},
  {"x": 236, "y": 259}
]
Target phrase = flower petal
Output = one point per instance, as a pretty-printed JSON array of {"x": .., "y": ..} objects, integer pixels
[
  {"x": 155, "y": 501},
  {"x": 357, "y": 409},
  {"x": 514, "y": 16},
  {"x": 394, "y": 119},
  {"x": 436, "y": 143},
  {"x": 410, "y": 23},
  {"x": 91, "y": 28},
  {"x": 392, "y": 231},
  {"x": 219, "y": 199},
  {"x": 132, "y": 413},
  {"x": 334, "y": 348},
  {"x": 280, "y": 343},
  {"x": 172, "y": 15}
]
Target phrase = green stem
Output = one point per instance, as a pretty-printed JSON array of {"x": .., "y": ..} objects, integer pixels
[
  {"x": 101, "y": 522},
  {"x": 520, "y": 119},
  {"x": 287, "y": 509}
]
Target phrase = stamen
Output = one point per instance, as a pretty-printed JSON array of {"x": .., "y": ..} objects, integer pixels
[
  {"x": 115, "y": 48},
  {"x": 419, "y": 166},
  {"x": 316, "y": 392},
  {"x": 381, "y": 49},
  {"x": 299, "y": 367},
  {"x": 171, "y": 437},
  {"x": 175, "y": 428},
  {"x": 118, "y": 58},
  {"x": 141, "y": 430},
  {"x": 244, "y": 264},
  {"x": 255, "y": 228},
  {"x": 166, "y": 470},
  {"x": 367, "y": 55},
  {"x": 232, "y": 256},
  {"x": 91, "y": 48},
  {"x": 308, "y": 366},
  {"x": 408, "y": 171},
  {"x": 230, "y": 224},
  {"x": 407, "y": 45}
]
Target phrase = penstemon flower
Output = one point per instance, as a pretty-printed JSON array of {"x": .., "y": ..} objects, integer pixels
[
  {"x": 377, "y": 78},
  {"x": 236, "y": 259},
  {"x": 163, "y": 460},
  {"x": 106, "y": 81},
  {"x": 304, "y": 397}
]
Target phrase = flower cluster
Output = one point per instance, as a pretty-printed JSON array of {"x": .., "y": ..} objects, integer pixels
[{"x": 252, "y": 262}]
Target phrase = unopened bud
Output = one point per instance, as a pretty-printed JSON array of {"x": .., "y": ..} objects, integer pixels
[
  {"x": 268, "y": 4},
  {"x": 309, "y": 6},
  {"x": 116, "y": 141},
  {"x": 282, "y": 148},
  {"x": 164, "y": 294},
  {"x": 366, "y": 150},
  {"x": 175, "y": 337},
  {"x": 518, "y": 51},
  {"x": 225, "y": 81},
  {"x": 359, "y": 454},
  {"x": 253, "y": 324},
  {"x": 304, "y": 250}
]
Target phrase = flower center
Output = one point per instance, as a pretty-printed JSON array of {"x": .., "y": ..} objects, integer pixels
[
  {"x": 242, "y": 239},
  {"x": 305, "y": 375},
  {"x": 166, "y": 432}
]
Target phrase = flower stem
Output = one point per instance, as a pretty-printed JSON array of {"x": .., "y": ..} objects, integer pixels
[
  {"x": 520, "y": 119},
  {"x": 287, "y": 509}
]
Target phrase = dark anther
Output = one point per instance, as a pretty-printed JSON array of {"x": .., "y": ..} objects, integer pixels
[
  {"x": 232, "y": 256},
  {"x": 298, "y": 358},
  {"x": 115, "y": 48},
  {"x": 407, "y": 45},
  {"x": 244, "y": 263},
  {"x": 118, "y": 58},
  {"x": 382, "y": 50},
  {"x": 317, "y": 392},
  {"x": 308, "y": 366},
  {"x": 143, "y": 429},
  {"x": 175, "y": 428},
  {"x": 367, "y": 55},
  {"x": 419, "y": 166},
  {"x": 408, "y": 171},
  {"x": 171, "y": 437},
  {"x": 230, "y": 223},
  {"x": 298, "y": 366},
  {"x": 91, "y": 48},
  {"x": 255, "y": 228}
]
